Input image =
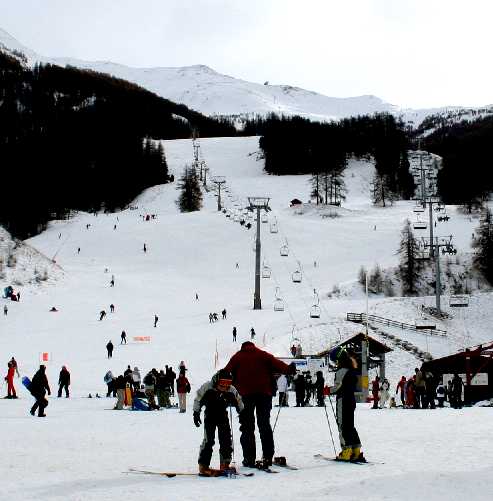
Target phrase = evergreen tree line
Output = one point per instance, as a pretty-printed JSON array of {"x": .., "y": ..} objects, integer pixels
[
  {"x": 295, "y": 145},
  {"x": 466, "y": 177},
  {"x": 74, "y": 139}
]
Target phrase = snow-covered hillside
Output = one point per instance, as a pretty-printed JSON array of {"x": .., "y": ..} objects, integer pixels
[
  {"x": 80, "y": 450},
  {"x": 203, "y": 89}
]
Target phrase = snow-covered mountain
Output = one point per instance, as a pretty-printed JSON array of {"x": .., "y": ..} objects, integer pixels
[{"x": 203, "y": 89}]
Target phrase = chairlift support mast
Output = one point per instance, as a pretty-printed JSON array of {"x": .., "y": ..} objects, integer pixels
[
  {"x": 219, "y": 181},
  {"x": 258, "y": 203}
]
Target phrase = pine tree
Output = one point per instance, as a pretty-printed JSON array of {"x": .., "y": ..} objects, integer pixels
[
  {"x": 409, "y": 266},
  {"x": 483, "y": 243},
  {"x": 375, "y": 280},
  {"x": 190, "y": 198},
  {"x": 381, "y": 192}
]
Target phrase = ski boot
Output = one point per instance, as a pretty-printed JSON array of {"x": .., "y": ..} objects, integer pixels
[
  {"x": 357, "y": 456},
  {"x": 263, "y": 464},
  {"x": 345, "y": 455},
  {"x": 280, "y": 461},
  {"x": 206, "y": 471},
  {"x": 228, "y": 470}
]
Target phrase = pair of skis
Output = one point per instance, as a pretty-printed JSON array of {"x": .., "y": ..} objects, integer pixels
[
  {"x": 328, "y": 458},
  {"x": 213, "y": 473}
]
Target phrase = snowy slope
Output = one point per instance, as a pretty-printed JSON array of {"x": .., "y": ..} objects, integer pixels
[
  {"x": 80, "y": 450},
  {"x": 203, "y": 89}
]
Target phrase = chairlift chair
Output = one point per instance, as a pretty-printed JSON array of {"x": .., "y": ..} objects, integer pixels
[
  {"x": 296, "y": 276},
  {"x": 273, "y": 227},
  {"x": 459, "y": 301},
  {"x": 420, "y": 225},
  {"x": 284, "y": 251},
  {"x": 278, "y": 302},
  {"x": 418, "y": 208},
  {"x": 266, "y": 271},
  {"x": 264, "y": 218},
  {"x": 315, "y": 309}
]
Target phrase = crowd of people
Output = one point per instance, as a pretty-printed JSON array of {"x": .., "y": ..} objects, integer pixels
[{"x": 422, "y": 390}]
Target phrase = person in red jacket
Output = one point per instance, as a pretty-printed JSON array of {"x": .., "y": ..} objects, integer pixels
[
  {"x": 375, "y": 388},
  {"x": 253, "y": 376},
  {"x": 10, "y": 380},
  {"x": 401, "y": 385},
  {"x": 182, "y": 388}
]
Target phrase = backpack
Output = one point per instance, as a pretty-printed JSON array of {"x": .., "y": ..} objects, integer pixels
[{"x": 149, "y": 380}]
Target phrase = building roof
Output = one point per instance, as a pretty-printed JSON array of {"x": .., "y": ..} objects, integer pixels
[{"x": 375, "y": 347}]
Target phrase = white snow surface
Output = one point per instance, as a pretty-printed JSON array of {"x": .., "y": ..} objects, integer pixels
[{"x": 82, "y": 450}]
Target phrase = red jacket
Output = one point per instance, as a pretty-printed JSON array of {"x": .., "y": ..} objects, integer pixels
[
  {"x": 182, "y": 385},
  {"x": 253, "y": 370}
]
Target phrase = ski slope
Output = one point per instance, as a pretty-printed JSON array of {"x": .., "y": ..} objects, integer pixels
[{"x": 80, "y": 451}]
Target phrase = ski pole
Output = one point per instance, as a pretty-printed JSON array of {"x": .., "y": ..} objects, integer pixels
[
  {"x": 333, "y": 411},
  {"x": 277, "y": 417},
  {"x": 330, "y": 428},
  {"x": 232, "y": 441}
]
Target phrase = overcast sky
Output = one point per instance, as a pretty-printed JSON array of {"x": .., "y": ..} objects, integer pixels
[{"x": 413, "y": 53}]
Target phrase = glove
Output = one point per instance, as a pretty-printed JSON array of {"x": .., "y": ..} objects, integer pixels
[{"x": 196, "y": 419}]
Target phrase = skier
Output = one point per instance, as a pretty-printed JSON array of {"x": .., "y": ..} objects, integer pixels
[
  {"x": 145, "y": 248},
  {"x": 5, "y": 310},
  {"x": 78, "y": 250},
  {"x": 10, "y": 381},
  {"x": 384, "y": 392},
  {"x": 63, "y": 382},
  {"x": 299, "y": 389},
  {"x": 109, "y": 347},
  {"x": 102, "y": 314},
  {"x": 253, "y": 372},
  {"x": 156, "y": 318},
  {"x": 375, "y": 388},
  {"x": 344, "y": 388},
  {"x": 430, "y": 386},
  {"x": 211, "y": 318},
  {"x": 112, "y": 282},
  {"x": 282, "y": 388},
  {"x": 38, "y": 388},
  {"x": 182, "y": 388},
  {"x": 13, "y": 361},
  {"x": 319, "y": 388},
  {"x": 110, "y": 381},
  {"x": 112, "y": 308},
  {"x": 223, "y": 313},
  {"x": 252, "y": 333},
  {"x": 401, "y": 385},
  {"x": 420, "y": 388},
  {"x": 196, "y": 297},
  {"x": 457, "y": 387},
  {"x": 214, "y": 315},
  {"x": 216, "y": 396},
  {"x": 123, "y": 337},
  {"x": 136, "y": 379}
]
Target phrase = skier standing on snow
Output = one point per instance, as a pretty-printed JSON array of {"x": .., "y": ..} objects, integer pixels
[
  {"x": 63, "y": 382},
  {"x": 384, "y": 392},
  {"x": 457, "y": 386},
  {"x": 102, "y": 314},
  {"x": 299, "y": 389},
  {"x": 223, "y": 313},
  {"x": 216, "y": 396},
  {"x": 282, "y": 388},
  {"x": 253, "y": 371},
  {"x": 5, "y": 310},
  {"x": 344, "y": 387},
  {"x": 10, "y": 380},
  {"x": 234, "y": 334},
  {"x": 136, "y": 379},
  {"x": 156, "y": 318},
  {"x": 375, "y": 388},
  {"x": 182, "y": 388},
  {"x": 252, "y": 333},
  {"x": 420, "y": 389},
  {"x": 123, "y": 337},
  {"x": 401, "y": 385},
  {"x": 109, "y": 348},
  {"x": 319, "y": 388},
  {"x": 38, "y": 388}
]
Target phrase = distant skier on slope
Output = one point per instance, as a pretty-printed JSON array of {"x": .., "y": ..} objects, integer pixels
[{"x": 216, "y": 396}]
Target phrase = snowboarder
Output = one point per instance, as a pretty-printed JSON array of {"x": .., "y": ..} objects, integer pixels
[
  {"x": 123, "y": 337},
  {"x": 216, "y": 396},
  {"x": 156, "y": 318},
  {"x": 234, "y": 334},
  {"x": 38, "y": 388},
  {"x": 223, "y": 313},
  {"x": 10, "y": 381},
  {"x": 344, "y": 388},
  {"x": 253, "y": 371},
  {"x": 182, "y": 388},
  {"x": 63, "y": 382},
  {"x": 102, "y": 314},
  {"x": 112, "y": 308},
  {"x": 252, "y": 333},
  {"x": 109, "y": 348}
]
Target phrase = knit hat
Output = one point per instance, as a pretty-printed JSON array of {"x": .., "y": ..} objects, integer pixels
[{"x": 337, "y": 353}]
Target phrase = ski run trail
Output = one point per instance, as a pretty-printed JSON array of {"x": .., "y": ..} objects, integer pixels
[{"x": 80, "y": 451}]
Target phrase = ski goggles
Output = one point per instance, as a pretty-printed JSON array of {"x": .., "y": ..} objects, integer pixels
[{"x": 225, "y": 383}]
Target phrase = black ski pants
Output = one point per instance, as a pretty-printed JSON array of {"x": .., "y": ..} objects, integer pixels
[
  {"x": 348, "y": 435},
  {"x": 61, "y": 387},
  {"x": 211, "y": 422},
  {"x": 41, "y": 404},
  {"x": 260, "y": 404}
]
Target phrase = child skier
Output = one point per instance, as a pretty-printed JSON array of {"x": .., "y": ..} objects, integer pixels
[
  {"x": 216, "y": 396},
  {"x": 344, "y": 387}
]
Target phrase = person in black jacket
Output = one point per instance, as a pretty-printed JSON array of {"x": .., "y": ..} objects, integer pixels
[
  {"x": 216, "y": 396},
  {"x": 319, "y": 388},
  {"x": 109, "y": 348},
  {"x": 38, "y": 388},
  {"x": 63, "y": 382},
  {"x": 344, "y": 387}
]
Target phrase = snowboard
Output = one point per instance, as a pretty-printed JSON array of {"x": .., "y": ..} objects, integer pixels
[{"x": 26, "y": 382}]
